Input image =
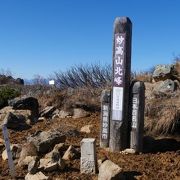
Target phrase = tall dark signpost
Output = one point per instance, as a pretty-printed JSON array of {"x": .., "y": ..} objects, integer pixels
[
  {"x": 105, "y": 118},
  {"x": 120, "y": 83},
  {"x": 137, "y": 124}
]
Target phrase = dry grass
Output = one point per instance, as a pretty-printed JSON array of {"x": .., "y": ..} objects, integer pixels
[
  {"x": 142, "y": 76},
  {"x": 86, "y": 98},
  {"x": 163, "y": 115}
]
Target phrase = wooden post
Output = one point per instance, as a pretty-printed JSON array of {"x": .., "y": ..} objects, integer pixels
[
  {"x": 8, "y": 150},
  {"x": 120, "y": 83},
  {"x": 105, "y": 118},
  {"x": 137, "y": 124}
]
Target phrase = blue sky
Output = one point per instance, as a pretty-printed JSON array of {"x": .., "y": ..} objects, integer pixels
[{"x": 43, "y": 36}]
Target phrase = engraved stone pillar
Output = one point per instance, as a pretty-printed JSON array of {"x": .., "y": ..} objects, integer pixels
[{"x": 88, "y": 156}]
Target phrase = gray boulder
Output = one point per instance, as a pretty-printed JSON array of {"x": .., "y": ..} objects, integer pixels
[
  {"x": 165, "y": 87},
  {"x": 46, "y": 140},
  {"x": 25, "y": 102},
  {"x": 162, "y": 72},
  {"x": 16, "y": 122}
]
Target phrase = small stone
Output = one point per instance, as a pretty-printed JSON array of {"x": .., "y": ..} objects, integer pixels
[
  {"x": 37, "y": 176},
  {"x": 28, "y": 150},
  {"x": 51, "y": 167},
  {"x": 70, "y": 154},
  {"x": 33, "y": 166},
  {"x": 86, "y": 129},
  {"x": 47, "y": 112},
  {"x": 53, "y": 155},
  {"x": 60, "y": 147},
  {"x": 25, "y": 162},
  {"x": 109, "y": 170},
  {"x": 43, "y": 162},
  {"x": 55, "y": 116},
  {"x": 41, "y": 119},
  {"x": 79, "y": 113},
  {"x": 129, "y": 151},
  {"x": 15, "y": 149},
  {"x": 61, "y": 164},
  {"x": 64, "y": 114}
]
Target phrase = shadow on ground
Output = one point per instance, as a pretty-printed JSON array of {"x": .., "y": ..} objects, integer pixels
[{"x": 152, "y": 145}]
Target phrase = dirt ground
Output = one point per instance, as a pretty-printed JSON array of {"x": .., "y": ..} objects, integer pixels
[{"x": 160, "y": 160}]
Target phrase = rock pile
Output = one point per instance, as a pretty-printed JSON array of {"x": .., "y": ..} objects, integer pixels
[
  {"x": 20, "y": 114},
  {"x": 168, "y": 78},
  {"x": 45, "y": 151}
]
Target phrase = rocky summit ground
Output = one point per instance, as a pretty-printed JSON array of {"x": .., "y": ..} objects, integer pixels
[{"x": 161, "y": 160}]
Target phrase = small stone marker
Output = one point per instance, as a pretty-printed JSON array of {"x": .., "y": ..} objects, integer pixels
[
  {"x": 88, "y": 156},
  {"x": 9, "y": 153},
  {"x": 137, "y": 124},
  {"x": 105, "y": 118},
  {"x": 120, "y": 84}
]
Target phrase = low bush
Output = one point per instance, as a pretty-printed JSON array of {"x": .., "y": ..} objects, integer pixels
[{"x": 7, "y": 93}]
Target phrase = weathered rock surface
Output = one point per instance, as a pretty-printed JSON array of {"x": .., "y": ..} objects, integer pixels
[
  {"x": 64, "y": 114},
  {"x": 15, "y": 149},
  {"x": 25, "y": 162},
  {"x": 57, "y": 152},
  {"x": 167, "y": 86},
  {"x": 17, "y": 122},
  {"x": 25, "y": 103},
  {"x": 110, "y": 171},
  {"x": 47, "y": 112},
  {"x": 37, "y": 176},
  {"x": 79, "y": 113},
  {"x": 33, "y": 166},
  {"x": 28, "y": 153},
  {"x": 71, "y": 154},
  {"x": 162, "y": 72},
  {"x": 48, "y": 165},
  {"x": 86, "y": 129},
  {"x": 22, "y": 118},
  {"x": 46, "y": 140},
  {"x": 54, "y": 155}
]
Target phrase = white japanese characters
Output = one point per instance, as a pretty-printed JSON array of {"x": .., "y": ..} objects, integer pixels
[
  {"x": 134, "y": 112},
  {"x": 105, "y": 122},
  {"x": 119, "y": 60}
]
